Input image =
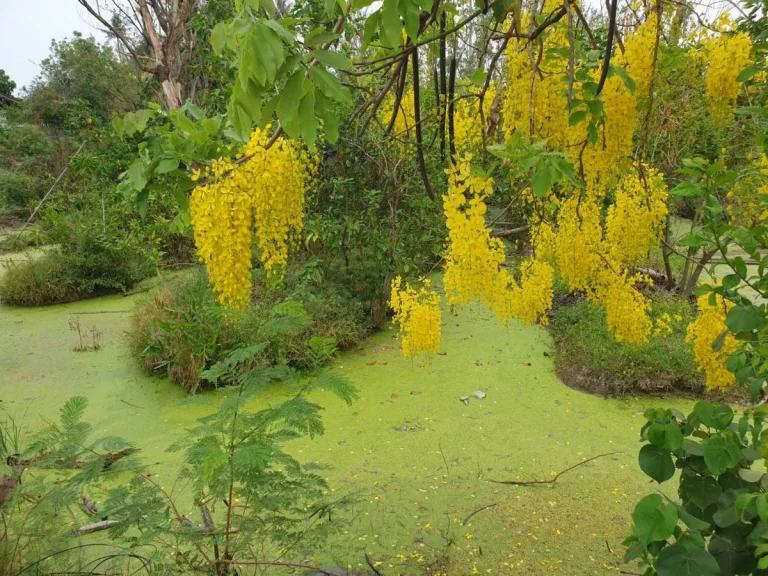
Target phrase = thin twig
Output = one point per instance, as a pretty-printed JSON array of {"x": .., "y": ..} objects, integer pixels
[
  {"x": 555, "y": 477},
  {"x": 468, "y": 518}
]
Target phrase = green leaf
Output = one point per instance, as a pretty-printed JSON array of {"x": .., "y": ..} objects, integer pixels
[
  {"x": 622, "y": 73},
  {"x": 720, "y": 455},
  {"x": 762, "y": 507},
  {"x": 717, "y": 416},
  {"x": 702, "y": 491},
  {"x": 577, "y": 117},
  {"x": 592, "y": 135},
  {"x": 656, "y": 462},
  {"x": 248, "y": 98},
  {"x": 390, "y": 23},
  {"x": 666, "y": 436},
  {"x": 678, "y": 560},
  {"x": 743, "y": 318},
  {"x": 654, "y": 520},
  {"x": 269, "y": 7},
  {"x": 370, "y": 27},
  {"x": 541, "y": 181},
  {"x": 320, "y": 36},
  {"x": 410, "y": 11},
  {"x": 136, "y": 175},
  {"x": 331, "y": 59},
  {"x": 219, "y": 36},
  {"x": 479, "y": 77},
  {"x": 330, "y": 121},
  {"x": 500, "y": 9},
  {"x": 167, "y": 165},
  {"x": 330, "y": 6},
  {"x": 329, "y": 85},
  {"x": 288, "y": 105},
  {"x": 307, "y": 118},
  {"x": 141, "y": 202},
  {"x": 687, "y": 189},
  {"x": 748, "y": 72}
]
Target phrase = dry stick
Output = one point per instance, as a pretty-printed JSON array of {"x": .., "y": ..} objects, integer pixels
[
  {"x": 96, "y": 526},
  {"x": 371, "y": 565},
  {"x": 376, "y": 101},
  {"x": 276, "y": 563},
  {"x": 468, "y": 518},
  {"x": 417, "y": 119},
  {"x": 66, "y": 169},
  {"x": 398, "y": 98},
  {"x": 511, "y": 232},
  {"x": 451, "y": 109},
  {"x": 584, "y": 23},
  {"x": 609, "y": 45},
  {"x": 443, "y": 87},
  {"x": 555, "y": 477}
]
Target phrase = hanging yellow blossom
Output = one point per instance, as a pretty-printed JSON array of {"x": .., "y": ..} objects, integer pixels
[
  {"x": 577, "y": 243},
  {"x": 418, "y": 314},
  {"x": 532, "y": 298},
  {"x": 635, "y": 221},
  {"x": 265, "y": 192},
  {"x": 473, "y": 259},
  {"x": 626, "y": 309},
  {"x": 405, "y": 114},
  {"x": 702, "y": 332},
  {"x": 728, "y": 53},
  {"x": 468, "y": 123}
]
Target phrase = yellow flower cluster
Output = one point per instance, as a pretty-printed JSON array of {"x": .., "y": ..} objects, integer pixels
[
  {"x": 727, "y": 55},
  {"x": 744, "y": 204},
  {"x": 467, "y": 121},
  {"x": 404, "y": 119},
  {"x": 708, "y": 326},
  {"x": 473, "y": 259},
  {"x": 626, "y": 309},
  {"x": 266, "y": 191},
  {"x": 577, "y": 242},
  {"x": 638, "y": 54},
  {"x": 418, "y": 314},
  {"x": 635, "y": 221},
  {"x": 663, "y": 326},
  {"x": 532, "y": 298}
]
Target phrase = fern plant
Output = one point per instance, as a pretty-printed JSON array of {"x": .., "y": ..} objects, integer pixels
[{"x": 256, "y": 502}]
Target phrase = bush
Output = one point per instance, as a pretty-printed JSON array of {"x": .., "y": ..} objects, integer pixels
[
  {"x": 88, "y": 259},
  {"x": 182, "y": 330},
  {"x": 36, "y": 282},
  {"x": 589, "y": 359}
]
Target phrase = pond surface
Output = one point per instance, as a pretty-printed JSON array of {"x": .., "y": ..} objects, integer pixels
[{"x": 418, "y": 459}]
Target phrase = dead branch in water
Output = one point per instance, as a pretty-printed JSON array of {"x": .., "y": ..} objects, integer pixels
[{"x": 555, "y": 477}]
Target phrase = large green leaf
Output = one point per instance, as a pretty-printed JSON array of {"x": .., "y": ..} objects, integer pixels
[
  {"x": 307, "y": 119},
  {"x": 720, "y": 455},
  {"x": 656, "y": 462},
  {"x": 329, "y": 85},
  {"x": 743, "y": 318},
  {"x": 717, "y": 416},
  {"x": 219, "y": 36},
  {"x": 325, "y": 110},
  {"x": 678, "y": 560},
  {"x": 288, "y": 105},
  {"x": 702, "y": 491},
  {"x": 390, "y": 23},
  {"x": 332, "y": 59},
  {"x": 654, "y": 520},
  {"x": 137, "y": 175},
  {"x": 666, "y": 436}
]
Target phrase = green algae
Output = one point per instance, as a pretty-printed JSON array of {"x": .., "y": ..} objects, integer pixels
[{"x": 416, "y": 459}]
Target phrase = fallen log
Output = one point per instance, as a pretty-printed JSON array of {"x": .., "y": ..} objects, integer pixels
[{"x": 96, "y": 526}]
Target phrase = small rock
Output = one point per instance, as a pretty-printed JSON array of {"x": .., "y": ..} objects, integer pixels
[
  {"x": 479, "y": 394},
  {"x": 416, "y": 393},
  {"x": 464, "y": 399},
  {"x": 402, "y": 428}
]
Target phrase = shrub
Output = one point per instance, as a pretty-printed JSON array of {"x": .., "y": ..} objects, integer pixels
[
  {"x": 182, "y": 330},
  {"x": 89, "y": 258},
  {"x": 36, "y": 282},
  {"x": 588, "y": 358}
]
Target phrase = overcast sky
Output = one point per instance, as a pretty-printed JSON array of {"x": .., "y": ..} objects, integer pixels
[{"x": 27, "y": 28}]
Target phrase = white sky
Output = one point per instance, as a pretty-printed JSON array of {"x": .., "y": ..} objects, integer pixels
[{"x": 27, "y": 28}]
